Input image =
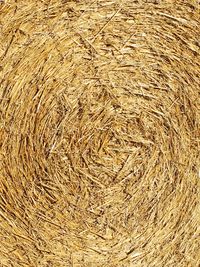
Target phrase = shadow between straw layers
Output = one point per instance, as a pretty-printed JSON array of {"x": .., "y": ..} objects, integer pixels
[{"x": 99, "y": 133}]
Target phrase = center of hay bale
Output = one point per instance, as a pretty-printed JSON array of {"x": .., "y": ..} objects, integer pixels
[{"x": 99, "y": 133}]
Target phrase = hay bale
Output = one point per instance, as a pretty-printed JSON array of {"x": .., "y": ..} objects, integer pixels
[{"x": 99, "y": 133}]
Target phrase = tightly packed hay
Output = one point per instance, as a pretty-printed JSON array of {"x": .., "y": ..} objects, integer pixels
[{"x": 99, "y": 133}]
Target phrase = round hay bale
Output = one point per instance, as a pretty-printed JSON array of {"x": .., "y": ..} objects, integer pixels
[{"x": 99, "y": 133}]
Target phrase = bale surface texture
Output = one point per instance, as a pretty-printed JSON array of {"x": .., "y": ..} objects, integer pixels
[{"x": 99, "y": 133}]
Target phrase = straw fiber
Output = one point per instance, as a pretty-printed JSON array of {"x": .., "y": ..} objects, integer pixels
[{"x": 99, "y": 133}]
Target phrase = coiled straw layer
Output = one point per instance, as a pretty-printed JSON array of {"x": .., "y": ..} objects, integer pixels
[{"x": 99, "y": 133}]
